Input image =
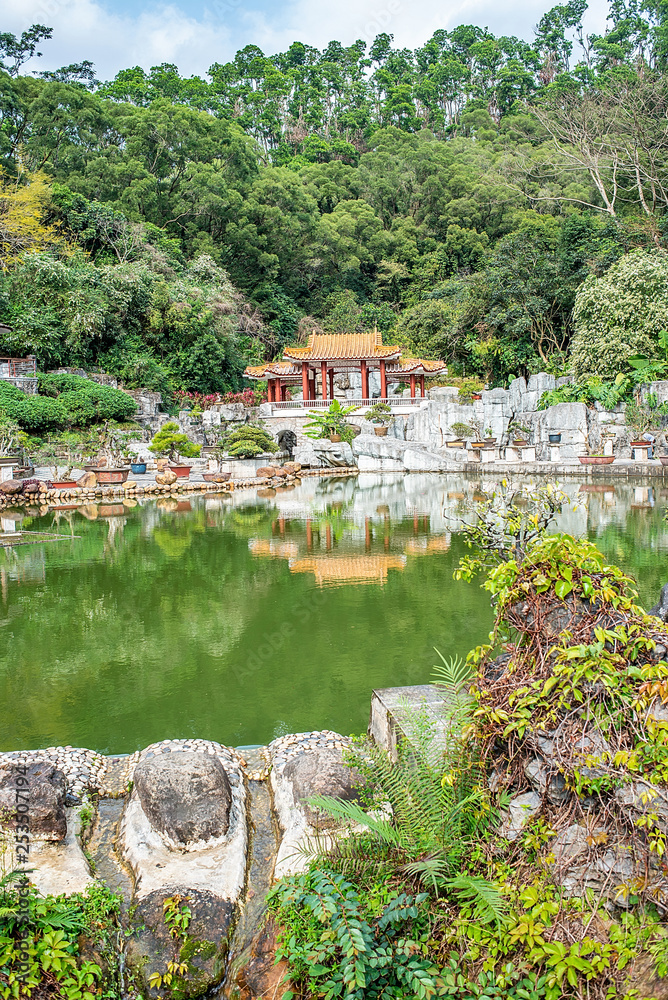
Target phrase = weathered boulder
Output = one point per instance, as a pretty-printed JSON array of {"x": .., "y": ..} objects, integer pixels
[
  {"x": 265, "y": 472},
  {"x": 11, "y": 486},
  {"x": 292, "y": 468},
  {"x": 320, "y": 772},
  {"x": 261, "y": 975},
  {"x": 166, "y": 478},
  {"x": 31, "y": 488},
  {"x": 203, "y": 947},
  {"x": 88, "y": 481},
  {"x": 37, "y": 792},
  {"x": 570, "y": 844},
  {"x": 333, "y": 454},
  {"x": 186, "y": 796}
]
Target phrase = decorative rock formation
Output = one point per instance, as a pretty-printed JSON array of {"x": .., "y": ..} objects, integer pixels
[
  {"x": 185, "y": 796},
  {"x": 42, "y": 788},
  {"x": 166, "y": 478},
  {"x": 88, "y": 481}
]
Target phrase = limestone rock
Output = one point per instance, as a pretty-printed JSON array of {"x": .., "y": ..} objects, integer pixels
[
  {"x": 151, "y": 947},
  {"x": 186, "y": 796},
  {"x": 11, "y": 486},
  {"x": 569, "y": 845},
  {"x": 88, "y": 481},
  {"x": 266, "y": 472},
  {"x": 292, "y": 468},
  {"x": 320, "y": 772},
  {"x": 642, "y": 797},
  {"x": 43, "y": 794},
  {"x": 129, "y": 485},
  {"x": 333, "y": 454},
  {"x": 166, "y": 478},
  {"x": 521, "y": 810}
]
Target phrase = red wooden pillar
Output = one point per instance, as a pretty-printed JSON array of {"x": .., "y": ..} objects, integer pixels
[
  {"x": 311, "y": 383},
  {"x": 323, "y": 378},
  {"x": 331, "y": 383},
  {"x": 422, "y": 386},
  {"x": 365, "y": 379},
  {"x": 305, "y": 386},
  {"x": 383, "y": 380},
  {"x": 412, "y": 386},
  {"x": 271, "y": 390}
]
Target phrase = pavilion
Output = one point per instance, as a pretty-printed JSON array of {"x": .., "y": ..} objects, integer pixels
[{"x": 329, "y": 354}]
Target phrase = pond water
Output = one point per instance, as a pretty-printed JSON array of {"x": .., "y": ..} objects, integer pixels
[{"x": 240, "y": 618}]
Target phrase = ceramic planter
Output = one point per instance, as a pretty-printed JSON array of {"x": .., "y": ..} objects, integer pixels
[
  {"x": 554, "y": 438},
  {"x": 380, "y": 431},
  {"x": 137, "y": 468},
  {"x": 180, "y": 471},
  {"x": 490, "y": 440},
  {"x": 520, "y": 443},
  {"x": 105, "y": 476},
  {"x": 596, "y": 459},
  {"x": 454, "y": 444},
  {"x": 477, "y": 444},
  {"x": 663, "y": 459},
  {"x": 61, "y": 484}
]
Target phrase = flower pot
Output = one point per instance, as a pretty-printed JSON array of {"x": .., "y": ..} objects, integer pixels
[
  {"x": 380, "y": 431},
  {"x": 641, "y": 444},
  {"x": 663, "y": 459},
  {"x": 180, "y": 471},
  {"x": 334, "y": 438},
  {"x": 477, "y": 444},
  {"x": 520, "y": 443},
  {"x": 112, "y": 475},
  {"x": 455, "y": 444},
  {"x": 490, "y": 440},
  {"x": 137, "y": 468},
  {"x": 476, "y": 395},
  {"x": 554, "y": 438},
  {"x": 596, "y": 459},
  {"x": 61, "y": 484}
]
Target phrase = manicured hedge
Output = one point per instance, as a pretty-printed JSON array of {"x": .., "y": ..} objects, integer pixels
[{"x": 64, "y": 401}]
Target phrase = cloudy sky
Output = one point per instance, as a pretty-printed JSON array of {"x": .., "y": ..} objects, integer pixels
[{"x": 195, "y": 33}]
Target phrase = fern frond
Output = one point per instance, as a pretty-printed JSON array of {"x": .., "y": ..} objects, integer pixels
[
  {"x": 488, "y": 904},
  {"x": 353, "y": 812}
]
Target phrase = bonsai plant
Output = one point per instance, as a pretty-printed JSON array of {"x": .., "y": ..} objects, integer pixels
[
  {"x": 642, "y": 417},
  {"x": 489, "y": 436},
  {"x": 249, "y": 441},
  {"x": 330, "y": 423},
  {"x": 110, "y": 467},
  {"x": 380, "y": 414},
  {"x": 171, "y": 442},
  {"x": 461, "y": 431},
  {"x": 519, "y": 433},
  {"x": 62, "y": 479}
]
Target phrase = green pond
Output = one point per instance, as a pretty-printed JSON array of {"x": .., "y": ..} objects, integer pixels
[{"x": 240, "y": 618}]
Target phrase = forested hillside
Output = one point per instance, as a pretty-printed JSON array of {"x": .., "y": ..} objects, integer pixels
[{"x": 170, "y": 229}]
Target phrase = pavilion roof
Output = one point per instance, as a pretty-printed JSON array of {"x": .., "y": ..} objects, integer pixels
[
  {"x": 344, "y": 347},
  {"x": 417, "y": 366},
  {"x": 273, "y": 369}
]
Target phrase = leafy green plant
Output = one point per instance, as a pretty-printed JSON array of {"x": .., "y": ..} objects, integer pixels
[
  {"x": 177, "y": 918},
  {"x": 11, "y": 436},
  {"x": 249, "y": 441},
  {"x": 324, "y": 423},
  {"x": 170, "y": 441},
  {"x": 462, "y": 430}
]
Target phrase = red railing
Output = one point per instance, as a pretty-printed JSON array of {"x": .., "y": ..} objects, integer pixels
[
  {"x": 318, "y": 404},
  {"x": 17, "y": 367}
]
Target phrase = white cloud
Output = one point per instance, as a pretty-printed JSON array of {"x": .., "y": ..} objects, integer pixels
[{"x": 85, "y": 29}]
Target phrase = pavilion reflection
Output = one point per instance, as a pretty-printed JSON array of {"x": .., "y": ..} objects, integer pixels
[{"x": 339, "y": 551}]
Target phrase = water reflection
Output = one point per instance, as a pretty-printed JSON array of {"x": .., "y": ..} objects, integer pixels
[{"x": 238, "y": 617}]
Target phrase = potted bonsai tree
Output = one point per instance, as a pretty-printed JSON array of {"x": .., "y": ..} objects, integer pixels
[
  {"x": 519, "y": 433},
  {"x": 12, "y": 440},
  {"x": 380, "y": 415},
  {"x": 171, "y": 442},
  {"x": 110, "y": 467},
  {"x": 330, "y": 423},
  {"x": 461, "y": 431}
]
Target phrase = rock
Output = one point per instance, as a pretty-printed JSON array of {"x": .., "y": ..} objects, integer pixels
[
  {"x": 292, "y": 468},
  {"x": 43, "y": 795},
  {"x": 266, "y": 472},
  {"x": 166, "y": 478},
  {"x": 204, "y": 948},
  {"x": 569, "y": 845},
  {"x": 321, "y": 772},
  {"x": 261, "y": 975},
  {"x": 11, "y": 486},
  {"x": 31, "y": 488},
  {"x": 641, "y": 797},
  {"x": 521, "y": 810},
  {"x": 88, "y": 481},
  {"x": 287, "y": 440},
  {"x": 660, "y": 610},
  {"x": 43, "y": 488},
  {"x": 280, "y": 474},
  {"x": 186, "y": 796},
  {"x": 334, "y": 454},
  {"x": 129, "y": 485}
]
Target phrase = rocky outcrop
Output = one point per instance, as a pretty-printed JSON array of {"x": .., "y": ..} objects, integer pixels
[
  {"x": 185, "y": 835},
  {"x": 35, "y": 796}
]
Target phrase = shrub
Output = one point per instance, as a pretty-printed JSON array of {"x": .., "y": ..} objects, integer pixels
[
  {"x": 32, "y": 413},
  {"x": 86, "y": 401},
  {"x": 249, "y": 441},
  {"x": 169, "y": 441}
]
